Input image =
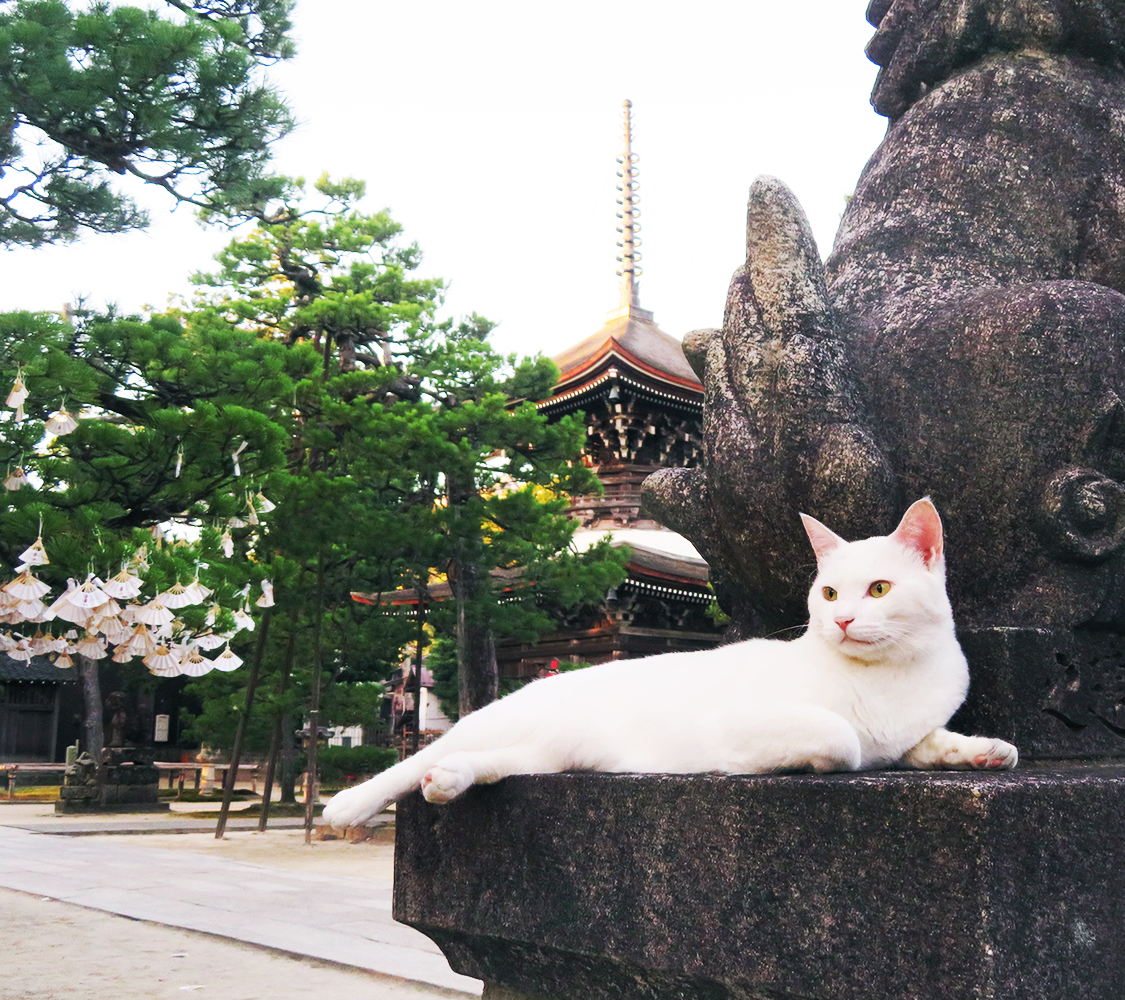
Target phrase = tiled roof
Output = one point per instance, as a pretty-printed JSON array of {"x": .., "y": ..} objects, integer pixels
[
  {"x": 633, "y": 338},
  {"x": 38, "y": 668}
]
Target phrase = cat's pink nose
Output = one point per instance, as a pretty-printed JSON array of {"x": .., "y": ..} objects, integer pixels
[{"x": 844, "y": 623}]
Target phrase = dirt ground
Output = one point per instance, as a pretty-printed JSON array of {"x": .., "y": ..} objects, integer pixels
[{"x": 57, "y": 951}]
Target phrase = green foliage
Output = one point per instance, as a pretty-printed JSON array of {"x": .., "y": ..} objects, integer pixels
[
  {"x": 441, "y": 660},
  {"x": 387, "y": 441},
  {"x": 407, "y": 459},
  {"x": 338, "y": 764},
  {"x": 180, "y": 103},
  {"x": 715, "y": 612},
  {"x": 222, "y": 697},
  {"x": 151, "y": 397}
]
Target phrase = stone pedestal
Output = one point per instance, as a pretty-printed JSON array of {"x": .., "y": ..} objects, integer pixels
[
  {"x": 873, "y": 886},
  {"x": 126, "y": 781},
  {"x": 1053, "y": 693}
]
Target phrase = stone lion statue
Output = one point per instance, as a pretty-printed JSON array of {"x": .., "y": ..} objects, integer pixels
[{"x": 965, "y": 340}]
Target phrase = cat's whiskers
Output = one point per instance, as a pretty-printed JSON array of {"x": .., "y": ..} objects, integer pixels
[
  {"x": 789, "y": 628},
  {"x": 905, "y": 635}
]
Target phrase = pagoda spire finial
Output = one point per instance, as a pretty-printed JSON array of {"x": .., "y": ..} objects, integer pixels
[{"x": 628, "y": 257}]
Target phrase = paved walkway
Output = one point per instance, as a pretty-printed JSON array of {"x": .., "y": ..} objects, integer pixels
[{"x": 343, "y": 920}]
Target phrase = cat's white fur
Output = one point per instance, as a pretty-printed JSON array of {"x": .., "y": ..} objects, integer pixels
[{"x": 871, "y": 683}]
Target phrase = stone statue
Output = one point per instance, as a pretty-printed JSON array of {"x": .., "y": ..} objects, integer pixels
[
  {"x": 117, "y": 708},
  {"x": 965, "y": 340}
]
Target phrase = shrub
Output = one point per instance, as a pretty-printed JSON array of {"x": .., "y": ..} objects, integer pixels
[{"x": 337, "y": 764}]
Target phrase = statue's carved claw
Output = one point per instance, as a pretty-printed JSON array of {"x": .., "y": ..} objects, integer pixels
[{"x": 784, "y": 421}]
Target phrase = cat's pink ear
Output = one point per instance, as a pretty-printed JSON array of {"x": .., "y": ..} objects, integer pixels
[
  {"x": 920, "y": 531},
  {"x": 823, "y": 539}
]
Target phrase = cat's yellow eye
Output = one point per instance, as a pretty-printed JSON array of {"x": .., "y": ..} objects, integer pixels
[
  {"x": 880, "y": 588},
  {"x": 829, "y": 594}
]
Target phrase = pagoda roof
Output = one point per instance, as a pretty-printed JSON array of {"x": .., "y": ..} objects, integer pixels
[
  {"x": 656, "y": 554},
  {"x": 631, "y": 340}
]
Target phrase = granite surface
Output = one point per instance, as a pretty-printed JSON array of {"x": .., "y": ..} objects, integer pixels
[
  {"x": 963, "y": 341},
  {"x": 895, "y": 885}
]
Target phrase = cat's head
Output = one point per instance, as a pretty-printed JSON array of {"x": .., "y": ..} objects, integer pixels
[{"x": 882, "y": 597}]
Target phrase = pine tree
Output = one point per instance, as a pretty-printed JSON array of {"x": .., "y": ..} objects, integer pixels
[
  {"x": 90, "y": 93},
  {"x": 116, "y": 432},
  {"x": 413, "y": 458}
]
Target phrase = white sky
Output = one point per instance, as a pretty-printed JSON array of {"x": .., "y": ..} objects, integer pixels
[{"x": 491, "y": 131}]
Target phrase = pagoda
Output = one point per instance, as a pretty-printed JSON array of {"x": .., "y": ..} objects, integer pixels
[{"x": 643, "y": 408}]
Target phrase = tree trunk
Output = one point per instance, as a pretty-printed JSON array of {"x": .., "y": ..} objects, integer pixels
[
  {"x": 312, "y": 786},
  {"x": 277, "y": 742},
  {"x": 92, "y": 693},
  {"x": 243, "y": 722},
  {"x": 287, "y": 758},
  {"x": 477, "y": 673}
]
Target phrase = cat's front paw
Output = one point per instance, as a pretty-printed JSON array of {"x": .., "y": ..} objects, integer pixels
[
  {"x": 352, "y": 807},
  {"x": 946, "y": 751},
  {"x": 980, "y": 753},
  {"x": 998, "y": 755},
  {"x": 447, "y": 779}
]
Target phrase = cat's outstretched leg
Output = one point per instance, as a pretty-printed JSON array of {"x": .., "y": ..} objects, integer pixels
[
  {"x": 946, "y": 751},
  {"x": 455, "y": 772},
  {"x": 355, "y": 806}
]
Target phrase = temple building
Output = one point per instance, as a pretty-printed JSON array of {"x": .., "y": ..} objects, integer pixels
[
  {"x": 40, "y": 710},
  {"x": 643, "y": 408}
]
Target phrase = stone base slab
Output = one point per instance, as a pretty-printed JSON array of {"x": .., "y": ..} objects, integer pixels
[
  {"x": 888, "y": 885},
  {"x": 93, "y": 806}
]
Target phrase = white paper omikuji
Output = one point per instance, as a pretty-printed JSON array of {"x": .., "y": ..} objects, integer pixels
[
  {"x": 209, "y": 641},
  {"x": 162, "y": 661},
  {"x": 27, "y": 587},
  {"x": 62, "y": 608},
  {"x": 17, "y": 394},
  {"x": 195, "y": 664},
  {"x": 124, "y": 586},
  {"x": 242, "y": 620},
  {"x": 61, "y": 424},
  {"x": 16, "y": 480},
  {"x": 176, "y": 596},
  {"x": 34, "y": 611},
  {"x": 266, "y": 600},
  {"x": 153, "y": 613},
  {"x": 142, "y": 642},
  {"x": 234, "y": 457},
  {"x": 198, "y": 592},
  {"x": 35, "y": 554},
  {"x": 227, "y": 543},
  {"x": 226, "y": 661},
  {"x": 91, "y": 646},
  {"x": 88, "y": 595},
  {"x": 63, "y": 661}
]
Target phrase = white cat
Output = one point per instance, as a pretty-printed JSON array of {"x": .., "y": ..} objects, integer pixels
[{"x": 871, "y": 683}]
